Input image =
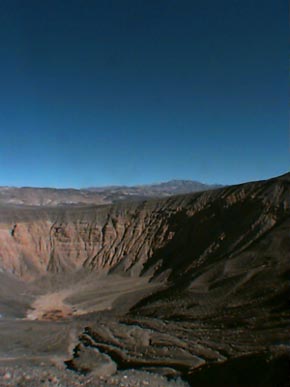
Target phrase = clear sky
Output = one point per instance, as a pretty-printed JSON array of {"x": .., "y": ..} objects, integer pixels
[{"x": 98, "y": 92}]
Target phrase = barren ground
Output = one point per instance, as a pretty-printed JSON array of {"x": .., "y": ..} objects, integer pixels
[
  {"x": 36, "y": 343},
  {"x": 146, "y": 293}
]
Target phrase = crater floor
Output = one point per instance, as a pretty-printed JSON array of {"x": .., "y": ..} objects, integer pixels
[{"x": 39, "y": 331}]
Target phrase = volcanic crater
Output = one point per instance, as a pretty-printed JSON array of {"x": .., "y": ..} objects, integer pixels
[{"x": 193, "y": 286}]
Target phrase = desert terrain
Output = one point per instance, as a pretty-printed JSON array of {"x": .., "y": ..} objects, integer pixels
[
  {"x": 186, "y": 290},
  {"x": 53, "y": 197}
]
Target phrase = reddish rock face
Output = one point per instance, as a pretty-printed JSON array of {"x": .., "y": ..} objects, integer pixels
[{"x": 175, "y": 235}]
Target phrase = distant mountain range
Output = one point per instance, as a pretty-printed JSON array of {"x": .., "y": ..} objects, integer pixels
[{"x": 31, "y": 196}]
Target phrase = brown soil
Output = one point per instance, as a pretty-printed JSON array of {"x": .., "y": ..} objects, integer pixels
[{"x": 174, "y": 287}]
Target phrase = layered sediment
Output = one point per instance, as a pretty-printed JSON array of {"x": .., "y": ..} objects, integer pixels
[
  {"x": 214, "y": 268},
  {"x": 131, "y": 237}
]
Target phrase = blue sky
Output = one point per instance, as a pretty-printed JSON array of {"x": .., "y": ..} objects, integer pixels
[{"x": 102, "y": 92}]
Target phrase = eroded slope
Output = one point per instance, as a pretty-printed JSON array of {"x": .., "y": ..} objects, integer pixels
[
  {"x": 178, "y": 233},
  {"x": 219, "y": 260}
]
